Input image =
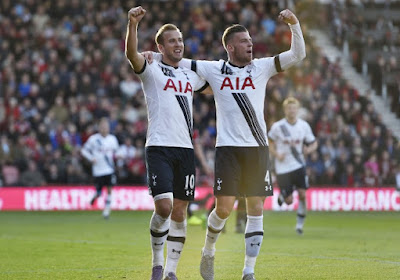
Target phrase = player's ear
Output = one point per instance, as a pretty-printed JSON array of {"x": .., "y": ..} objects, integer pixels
[
  {"x": 229, "y": 47},
  {"x": 160, "y": 48}
]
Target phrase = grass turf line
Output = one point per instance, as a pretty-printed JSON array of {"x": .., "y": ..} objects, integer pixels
[{"x": 82, "y": 245}]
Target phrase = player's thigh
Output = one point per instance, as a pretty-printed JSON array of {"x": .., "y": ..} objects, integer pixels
[
  {"x": 285, "y": 182},
  {"x": 227, "y": 172},
  {"x": 159, "y": 170},
  {"x": 100, "y": 182},
  {"x": 109, "y": 180},
  {"x": 184, "y": 174},
  {"x": 255, "y": 180},
  {"x": 300, "y": 178}
]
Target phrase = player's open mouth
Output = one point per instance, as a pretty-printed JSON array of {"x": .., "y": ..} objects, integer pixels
[{"x": 177, "y": 51}]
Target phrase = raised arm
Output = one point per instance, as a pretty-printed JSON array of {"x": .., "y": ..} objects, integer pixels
[
  {"x": 297, "y": 50},
  {"x": 135, "y": 59}
]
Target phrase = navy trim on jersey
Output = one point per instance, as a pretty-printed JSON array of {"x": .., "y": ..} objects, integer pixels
[
  {"x": 203, "y": 87},
  {"x": 193, "y": 66},
  {"x": 184, "y": 103},
  {"x": 143, "y": 68},
  {"x": 309, "y": 143},
  {"x": 293, "y": 150},
  {"x": 109, "y": 163},
  {"x": 236, "y": 65},
  {"x": 277, "y": 64},
  {"x": 88, "y": 150},
  {"x": 225, "y": 70},
  {"x": 250, "y": 116},
  {"x": 166, "y": 64}
]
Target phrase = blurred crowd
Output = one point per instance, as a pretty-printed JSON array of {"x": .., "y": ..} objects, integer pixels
[
  {"x": 62, "y": 67},
  {"x": 370, "y": 31}
]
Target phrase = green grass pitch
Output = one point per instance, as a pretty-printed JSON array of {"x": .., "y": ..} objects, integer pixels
[{"x": 82, "y": 245}]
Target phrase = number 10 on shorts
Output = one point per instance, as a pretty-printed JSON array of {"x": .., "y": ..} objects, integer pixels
[{"x": 189, "y": 184}]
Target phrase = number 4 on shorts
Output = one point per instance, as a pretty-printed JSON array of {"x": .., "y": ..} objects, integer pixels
[{"x": 268, "y": 185}]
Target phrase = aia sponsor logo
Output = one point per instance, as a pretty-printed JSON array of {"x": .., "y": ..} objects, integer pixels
[
  {"x": 178, "y": 86},
  {"x": 236, "y": 84}
]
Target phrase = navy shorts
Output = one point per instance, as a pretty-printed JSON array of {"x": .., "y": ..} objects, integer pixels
[
  {"x": 294, "y": 179},
  {"x": 105, "y": 181},
  {"x": 242, "y": 171},
  {"x": 171, "y": 169}
]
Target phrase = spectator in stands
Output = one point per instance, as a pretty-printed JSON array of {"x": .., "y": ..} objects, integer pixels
[
  {"x": 32, "y": 177},
  {"x": 75, "y": 68}
]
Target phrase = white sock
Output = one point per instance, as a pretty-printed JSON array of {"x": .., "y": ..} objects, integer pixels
[
  {"x": 175, "y": 241},
  {"x": 301, "y": 214},
  {"x": 107, "y": 206},
  {"x": 215, "y": 225},
  {"x": 158, "y": 234},
  {"x": 253, "y": 240}
]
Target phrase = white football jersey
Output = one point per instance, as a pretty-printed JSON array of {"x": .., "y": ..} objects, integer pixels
[
  {"x": 169, "y": 98},
  {"x": 240, "y": 92},
  {"x": 102, "y": 150},
  {"x": 239, "y": 98},
  {"x": 289, "y": 140}
]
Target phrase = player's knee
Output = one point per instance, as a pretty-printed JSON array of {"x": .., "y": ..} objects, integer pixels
[
  {"x": 164, "y": 209},
  {"x": 179, "y": 214},
  {"x": 289, "y": 200},
  {"x": 255, "y": 209},
  {"x": 223, "y": 212},
  {"x": 302, "y": 195}
]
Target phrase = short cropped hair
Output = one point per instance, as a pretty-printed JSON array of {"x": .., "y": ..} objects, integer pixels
[
  {"x": 166, "y": 27},
  {"x": 230, "y": 31},
  {"x": 290, "y": 100}
]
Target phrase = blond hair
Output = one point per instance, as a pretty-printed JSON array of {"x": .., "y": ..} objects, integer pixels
[
  {"x": 290, "y": 100},
  {"x": 159, "y": 38},
  {"x": 230, "y": 31}
]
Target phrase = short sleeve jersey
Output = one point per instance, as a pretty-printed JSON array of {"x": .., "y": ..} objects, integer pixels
[
  {"x": 239, "y": 98},
  {"x": 102, "y": 149},
  {"x": 169, "y": 98},
  {"x": 289, "y": 140}
]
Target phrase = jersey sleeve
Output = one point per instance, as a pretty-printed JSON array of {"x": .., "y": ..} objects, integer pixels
[
  {"x": 297, "y": 50},
  {"x": 268, "y": 66},
  {"x": 203, "y": 68},
  {"x": 116, "y": 144},
  {"x": 273, "y": 133},
  {"x": 309, "y": 137},
  {"x": 186, "y": 63},
  {"x": 86, "y": 150},
  {"x": 145, "y": 72},
  {"x": 200, "y": 84}
]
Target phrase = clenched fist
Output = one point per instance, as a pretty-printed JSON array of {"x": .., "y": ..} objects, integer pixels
[
  {"x": 136, "y": 14},
  {"x": 288, "y": 17}
]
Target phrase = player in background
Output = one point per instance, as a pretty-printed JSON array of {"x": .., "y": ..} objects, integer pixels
[
  {"x": 242, "y": 155},
  {"x": 288, "y": 137},
  {"x": 168, "y": 90},
  {"x": 100, "y": 151}
]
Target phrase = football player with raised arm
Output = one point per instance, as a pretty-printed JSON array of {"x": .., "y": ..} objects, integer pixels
[
  {"x": 168, "y": 90},
  {"x": 288, "y": 137},
  {"x": 242, "y": 155}
]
